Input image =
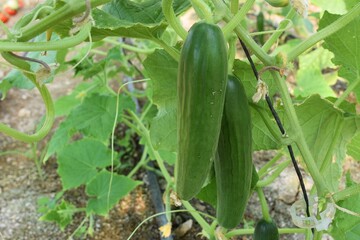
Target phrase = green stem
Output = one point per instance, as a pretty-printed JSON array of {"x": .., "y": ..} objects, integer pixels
[
  {"x": 47, "y": 46},
  {"x": 46, "y": 127},
  {"x": 232, "y": 54},
  {"x": 234, "y": 6},
  {"x": 346, "y": 193},
  {"x": 175, "y": 54},
  {"x": 348, "y": 90},
  {"x": 202, "y": 10},
  {"x": 300, "y": 138},
  {"x": 245, "y": 37},
  {"x": 269, "y": 164},
  {"x": 272, "y": 177},
  {"x": 98, "y": 52},
  {"x": 130, "y": 47},
  {"x": 140, "y": 163},
  {"x": 15, "y": 152},
  {"x": 6, "y": 29},
  {"x": 263, "y": 203},
  {"x": 325, "y": 32},
  {"x": 282, "y": 27},
  {"x": 167, "y": 203},
  {"x": 172, "y": 19},
  {"x": 204, "y": 225},
  {"x": 238, "y": 17},
  {"x": 239, "y": 232},
  {"x": 146, "y": 135},
  {"x": 70, "y": 9},
  {"x": 36, "y": 160}
]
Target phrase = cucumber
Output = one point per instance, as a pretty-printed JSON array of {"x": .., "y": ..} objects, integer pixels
[
  {"x": 234, "y": 166},
  {"x": 265, "y": 230},
  {"x": 278, "y": 3},
  {"x": 201, "y": 88}
]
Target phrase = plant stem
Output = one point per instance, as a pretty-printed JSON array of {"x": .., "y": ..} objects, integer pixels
[
  {"x": 158, "y": 158},
  {"x": 130, "y": 47},
  {"x": 300, "y": 138},
  {"x": 202, "y": 10},
  {"x": 263, "y": 203},
  {"x": 282, "y": 26},
  {"x": 234, "y": 6},
  {"x": 237, "y": 18},
  {"x": 232, "y": 54},
  {"x": 250, "y": 231},
  {"x": 36, "y": 160},
  {"x": 348, "y": 90},
  {"x": 346, "y": 193},
  {"x": 273, "y": 176},
  {"x": 175, "y": 54},
  {"x": 172, "y": 19},
  {"x": 47, "y": 46},
  {"x": 140, "y": 163},
  {"x": 204, "y": 225},
  {"x": 71, "y": 9},
  {"x": 325, "y": 32},
  {"x": 245, "y": 37},
  {"x": 269, "y": 164}
]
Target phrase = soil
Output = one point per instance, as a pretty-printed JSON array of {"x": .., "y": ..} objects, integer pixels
[{"x": 21, "y": 185}]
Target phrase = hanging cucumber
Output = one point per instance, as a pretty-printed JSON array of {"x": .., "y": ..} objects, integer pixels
[
  {"x": 234, "y": 166},
  {"x": 201, "y": 87},
  {"x": 265, "y": 230},
  {"x": 278, "y": 3}
]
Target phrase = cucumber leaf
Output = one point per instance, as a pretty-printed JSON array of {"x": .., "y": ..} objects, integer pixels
[{"x": 345, "y": 45}]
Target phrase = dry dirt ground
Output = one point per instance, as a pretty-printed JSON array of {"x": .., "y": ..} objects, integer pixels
[{"x": 21, "y": 185}]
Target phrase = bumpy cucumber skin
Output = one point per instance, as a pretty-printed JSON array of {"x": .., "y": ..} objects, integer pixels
[
  {"x": 234, "y": 166},
  {"x": 278, "y": 3},
  {"x": 201, "y": 87},
  {"x": 266, "y": 231}
]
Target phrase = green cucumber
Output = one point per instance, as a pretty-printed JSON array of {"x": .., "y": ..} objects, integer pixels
[
  {"x": 201, "y": 88},
  {"x": 278, "y": 3},
  {"x": 265, "y": 230},
  {"x": 234, "y": 166}
]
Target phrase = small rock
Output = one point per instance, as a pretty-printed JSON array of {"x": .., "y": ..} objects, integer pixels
[
  {"x": 183, "y": 228},
  {"x": 24, "y": 112},
  {"x": 288, "y": 185}
]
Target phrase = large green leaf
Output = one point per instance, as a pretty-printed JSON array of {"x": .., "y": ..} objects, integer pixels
[
  {"x": 353, "y": 148},
  {"x": 322, "y": 124},
  {"x": 102, "y": 200},
  {"x": 137, "y": 19},
  {"x": 95, "y": 116},
  {"x": 345, "y": 44},
  {"x": 336, "y": 7},
  {"x": 79, "y": 162},
  {"x": 346, "y": 226},
  {"x": 309, "y": 77},
  {"x": 162, "y": 69}
]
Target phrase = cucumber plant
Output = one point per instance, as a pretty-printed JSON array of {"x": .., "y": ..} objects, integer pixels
[{"x": 181, "y": 118}]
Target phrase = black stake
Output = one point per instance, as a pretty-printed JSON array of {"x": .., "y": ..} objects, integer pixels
[{"x": 282, "y": 130}]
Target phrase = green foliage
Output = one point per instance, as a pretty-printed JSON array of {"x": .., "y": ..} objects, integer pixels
[
  {"x": 162, "y": 70},
  {"x": 133, "y": 19},
  {"x": 61, "y": 213},
  {"x": 79, "y": 162},
  {"x": 320, "y": 123},
  {"x": 102, "y": 199},
  {"x": 345, "y": 226},
  {"x": 345, "y": 44}
]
